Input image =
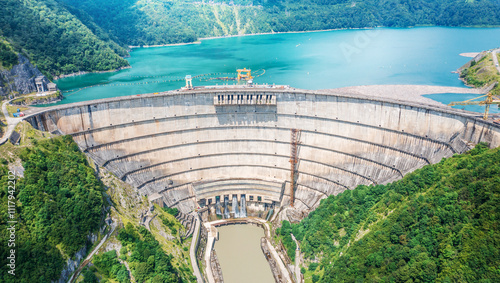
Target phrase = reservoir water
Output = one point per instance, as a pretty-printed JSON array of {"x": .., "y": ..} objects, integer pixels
[
  {"x": 240, "y": 256},
  {"x": 316, "y": 60}
]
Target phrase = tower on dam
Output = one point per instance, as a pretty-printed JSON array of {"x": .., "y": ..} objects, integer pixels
[{"x": 229, "y": 152}]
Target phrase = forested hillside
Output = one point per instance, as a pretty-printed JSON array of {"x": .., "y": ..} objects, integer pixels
[
  {"x": 437, "y": 224},
  {"x": 8, "y": 58},
  {"x": 138, "y": 22},
  {"x": 57, "y": 204},
  {"x": 142, "y": 22},
  {"x": 66, "y": 36},
  {"x": 55, "y": 40}
]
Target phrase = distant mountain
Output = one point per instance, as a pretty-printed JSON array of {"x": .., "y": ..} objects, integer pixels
[
  {"x": 66, "y": 36},
  {"x": 161, "y": 22}
]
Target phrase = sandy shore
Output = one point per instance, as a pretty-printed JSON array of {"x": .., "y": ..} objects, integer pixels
[
  {"x": 469, "y": 54},
  {"x": 411, "y": 93}
]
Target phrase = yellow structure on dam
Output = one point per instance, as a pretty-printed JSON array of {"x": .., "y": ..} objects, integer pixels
[{"x": 245, "y": 74}]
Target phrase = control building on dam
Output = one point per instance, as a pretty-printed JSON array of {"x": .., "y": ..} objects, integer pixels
[{"x": 209, "y": 149}]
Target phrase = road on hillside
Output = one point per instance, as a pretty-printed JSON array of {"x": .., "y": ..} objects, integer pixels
[
  {"x": 11, "y": 123},
  {"x": 495, "y": 59}
]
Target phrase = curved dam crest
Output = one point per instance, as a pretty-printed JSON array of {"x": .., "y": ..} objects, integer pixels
[{"x": 189, "y": 149}]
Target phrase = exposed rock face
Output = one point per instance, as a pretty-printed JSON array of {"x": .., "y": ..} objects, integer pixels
[
  {"x": 72, "y": 264},
  {"x": 20, "y": 79},
  {"x": 39, "y": 100}
]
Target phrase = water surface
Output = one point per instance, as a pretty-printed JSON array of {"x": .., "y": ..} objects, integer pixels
[
  {"x": 240, "y": 255},
  {"x": 317, "y": 60}
]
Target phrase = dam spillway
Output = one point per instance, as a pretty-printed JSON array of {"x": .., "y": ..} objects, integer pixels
[{"x": 202, "y": 147}]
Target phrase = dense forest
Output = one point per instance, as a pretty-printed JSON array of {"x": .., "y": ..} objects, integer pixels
[
  {"x": 8, "y": 57},
  {"x": 66, "y": 36},
  {"x": 147, "y": 261},
  {"x": 58, "y": 203},
  {"x": 161, "y": 22},
  {"x": 55, "y": 40},
  {"x": 438, "y": 224}
]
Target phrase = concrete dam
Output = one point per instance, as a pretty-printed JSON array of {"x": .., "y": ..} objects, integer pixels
[{"x": 202, "y": 149}]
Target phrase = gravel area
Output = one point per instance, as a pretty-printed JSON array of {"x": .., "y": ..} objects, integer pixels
[
  {"x": 410, "y": 93},
  {"x": 469, "y": 54}
]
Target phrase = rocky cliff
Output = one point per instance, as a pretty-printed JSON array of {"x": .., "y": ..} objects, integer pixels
[
  {"x": 73, "y": 263},
  {"x": 20, "y": 79}
]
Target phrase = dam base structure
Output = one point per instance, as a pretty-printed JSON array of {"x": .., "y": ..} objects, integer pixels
[{"x": 222, "y": 151}]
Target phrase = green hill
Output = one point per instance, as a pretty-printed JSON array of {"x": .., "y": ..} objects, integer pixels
[
  {"x": 437, "y": 224},
  {"x": 57, "y": 203},
  {"x": 161, "y": 22},
  {"x": 55, "y": 40}
]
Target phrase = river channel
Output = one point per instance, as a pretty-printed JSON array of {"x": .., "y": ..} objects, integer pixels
[{"x": 240, "y": 256}]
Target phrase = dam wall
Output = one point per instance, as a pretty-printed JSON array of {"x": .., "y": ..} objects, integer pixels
[{"x": 190, "y": 147}]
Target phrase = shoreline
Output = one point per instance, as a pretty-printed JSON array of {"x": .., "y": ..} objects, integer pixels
[
  {"x": 164, "y": 45},
  {"x": 199, "y": 41},
  {"x": 85, "y": 72},
  {"x": 469, "y": 54}
]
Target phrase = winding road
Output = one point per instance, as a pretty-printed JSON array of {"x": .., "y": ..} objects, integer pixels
[
  {"x": 11, "y": 123},
  {"x": 297, "y": 260},
  {"x": 192, "y": 250}
]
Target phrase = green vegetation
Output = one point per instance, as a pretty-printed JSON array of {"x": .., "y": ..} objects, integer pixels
[
  {"x": 437, "y": 224},
  {"x": 172, "y": 211},
  {"x": 8, "y": 58},
  {"x": 170, "y": 224},
  {"x": 136, "y": 244},
  {"x": 162, "y": 22},
  {"x": 59, "y": 202},
  {"x": 286, "y": 238},
  {"x": 108, "y": 265},
  {"x": 89, "y": 276},
  {"x": 147, "y": 259},
  {"x": 34, "y": 100},
  {"x": 55, "y": 40},
  {"x": 11, "y": 109},
  {"x": 482, "y": 73}
]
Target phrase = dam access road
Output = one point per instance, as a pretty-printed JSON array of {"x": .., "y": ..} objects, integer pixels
[{"x": 195, "y": 147}]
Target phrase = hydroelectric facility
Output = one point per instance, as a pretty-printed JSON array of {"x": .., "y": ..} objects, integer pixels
[{"x": 267, "y": 152}]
